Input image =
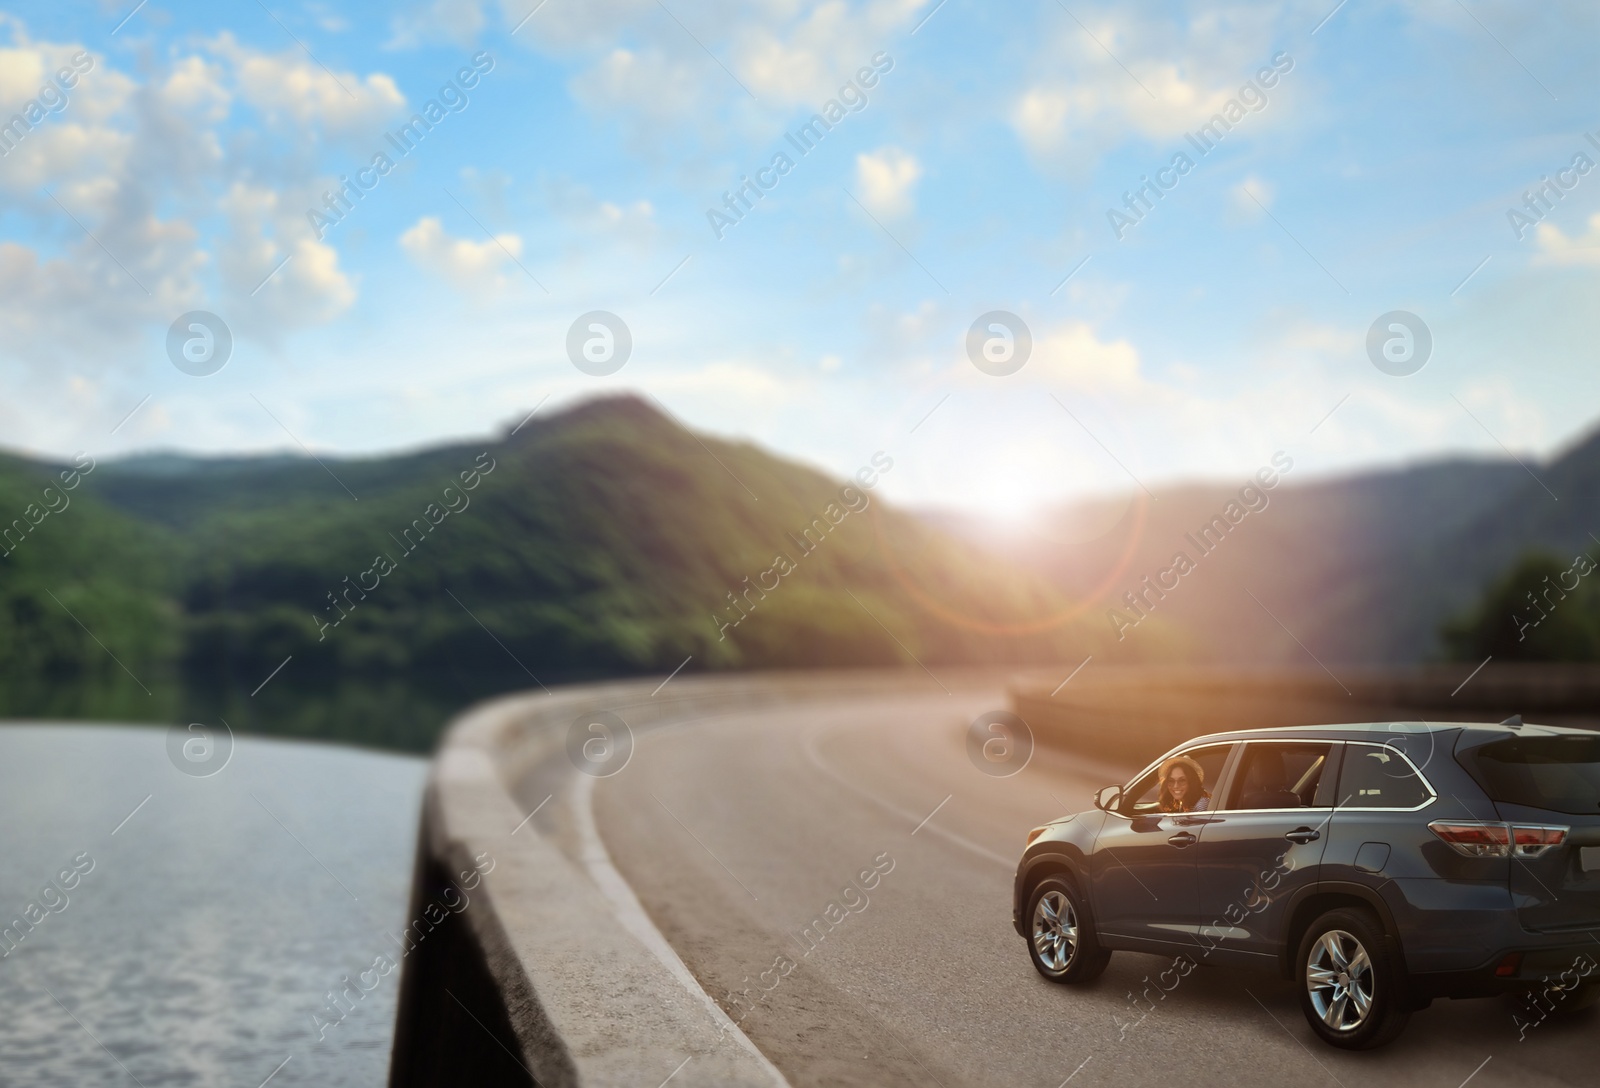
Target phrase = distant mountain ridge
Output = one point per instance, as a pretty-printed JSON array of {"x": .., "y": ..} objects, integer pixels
[
  {"x": 1361, "y": 569},
  {"x": 601, "y": 540},
  {"x": 365, "y": 598}
]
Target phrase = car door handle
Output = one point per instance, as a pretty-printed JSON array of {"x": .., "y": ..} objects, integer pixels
[
  {"x": 1303, "y": 835},
  {"x": 1182, "y": 839}
]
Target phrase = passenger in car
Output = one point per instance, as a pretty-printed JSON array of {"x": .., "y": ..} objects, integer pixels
[
  {"x": 1183, "y": 786},
  {"x": 1266, "y": 782}
]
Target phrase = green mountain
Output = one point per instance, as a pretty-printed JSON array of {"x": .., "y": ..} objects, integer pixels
[
  {"x": 1545, "y": 608},
  {"x": 77, "y": 575},
  {"x": 367, "y": 598},
  {"x": 1364, "y": 570}
]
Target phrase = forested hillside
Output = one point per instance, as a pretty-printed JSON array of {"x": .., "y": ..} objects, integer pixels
[{"x": 604, "y": 540}]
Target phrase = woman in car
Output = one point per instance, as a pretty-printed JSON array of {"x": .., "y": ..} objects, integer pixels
[{"x": 1183, "y": 786}]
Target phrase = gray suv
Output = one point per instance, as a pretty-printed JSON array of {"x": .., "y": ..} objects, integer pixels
[{"x": 1378, "y": 866}]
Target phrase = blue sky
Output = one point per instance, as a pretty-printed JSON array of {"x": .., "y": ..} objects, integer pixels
[{"x": 1375, "y": 175}]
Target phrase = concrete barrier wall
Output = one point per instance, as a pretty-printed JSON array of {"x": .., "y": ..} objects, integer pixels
[
  {"x": 534, "y": 981},
  {"x": 467, "y": 1038},
  {"x": 1131, "y": 715}
]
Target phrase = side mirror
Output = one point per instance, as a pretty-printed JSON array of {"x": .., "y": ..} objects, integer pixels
[{"x": 1108, "y": 798}]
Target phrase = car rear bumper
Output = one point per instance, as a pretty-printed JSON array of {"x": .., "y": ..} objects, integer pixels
[
  {"x": 1533, "y": 968},
  {"x": 1457, "y": 938}
]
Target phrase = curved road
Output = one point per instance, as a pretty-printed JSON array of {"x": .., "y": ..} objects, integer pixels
[{"x": 738, "y": 830}]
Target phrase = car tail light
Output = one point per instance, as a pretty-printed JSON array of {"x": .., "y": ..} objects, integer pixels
[
  {"x": 1479, "y": 839},
  {"x": 1474, "y": 838},
  {"x": 1530, "y": 841}
]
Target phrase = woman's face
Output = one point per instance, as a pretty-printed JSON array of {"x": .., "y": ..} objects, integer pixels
[{"x": 1178, "y": 783}]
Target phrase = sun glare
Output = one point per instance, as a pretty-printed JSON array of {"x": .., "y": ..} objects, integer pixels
[
  {"x": 1011, "y": 510},
  {"x": 1011, "y": 490}
]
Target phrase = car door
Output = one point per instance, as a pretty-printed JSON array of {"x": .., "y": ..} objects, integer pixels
[
  {"x": 1262, "y": 843},
  {"x": 1142, "y": 871},
  {"x": 1374, "y": 832}
]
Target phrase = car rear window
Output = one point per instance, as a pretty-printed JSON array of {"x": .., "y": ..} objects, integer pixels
[{"x": 1557, "y": 773}]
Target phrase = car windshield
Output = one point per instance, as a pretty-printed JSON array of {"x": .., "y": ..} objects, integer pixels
[{"x": 1561, "y": 774}]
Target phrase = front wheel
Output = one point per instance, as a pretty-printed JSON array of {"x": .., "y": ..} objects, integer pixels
[
  {"x": 1351, "y": 982},
  {"x": 1061, "y": 938}
]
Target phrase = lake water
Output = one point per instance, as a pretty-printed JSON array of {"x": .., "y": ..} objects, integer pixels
[{"x": 201, "y": 946}]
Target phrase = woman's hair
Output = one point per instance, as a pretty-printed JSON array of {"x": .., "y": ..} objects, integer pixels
[{"x": 1197, "y": 784}]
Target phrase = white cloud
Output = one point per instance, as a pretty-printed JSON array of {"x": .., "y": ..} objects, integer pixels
[
  {"x": 267, "y": 228},
  {"x": 288, "y": 88},
  {"x": 1050, "y": 116},
  {"x": 567, "y": 27},
  {"x": 1072, "y": 355},
  {"x": 465, "y": 264},
  {"x": 118, "y": 191},
  {"x": 1040, "y": 117},
  {"x": 1251, "y": 196},
  {"x": 1558, "y": 248},
  {"x": 26, "y": 65},
  {"x": 805, "y": 61},
  {"x": 652, "y": 86},
  {"x": 78, "y": 139},
  {"x": 729, "y": 379},
  {"x": 196, "y": 85},
  {"x": 885, "y": 178},
  {"x": 630, "y": 221},
  {"x": 1092, "y": 84},
  {"x": 1380, "y": 412},
  {"x": 640, "y": 211},
  {"x": 652, "y": 68}
]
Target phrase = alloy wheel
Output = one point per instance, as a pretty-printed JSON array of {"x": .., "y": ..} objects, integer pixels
[
  {"x": 1339, "y": 980},
  {"x": 1055, "y": 930}
]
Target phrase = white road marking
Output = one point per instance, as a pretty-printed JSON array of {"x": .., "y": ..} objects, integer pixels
[
  {"x": 631, "y": 913},
  {"x": 1010, "y": 864}
]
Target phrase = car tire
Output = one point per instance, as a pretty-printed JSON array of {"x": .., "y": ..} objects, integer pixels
[
  {"x": 1061, "y": 937},
  {"x": 1352, "y": 983}
]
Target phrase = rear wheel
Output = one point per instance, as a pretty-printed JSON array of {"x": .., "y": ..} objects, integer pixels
[
  {"x": 1061, "y": 938},
  {"x": 1351, "y": 983}
]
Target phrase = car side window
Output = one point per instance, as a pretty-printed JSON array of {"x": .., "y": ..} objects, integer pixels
[
  {"x": 1277, "y": 775},
  {"x": 1144, "y": 796},
  {"x": 1374, "y": 777}
]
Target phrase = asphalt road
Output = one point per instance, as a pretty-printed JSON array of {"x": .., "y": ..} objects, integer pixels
[{"x": 736, "y": 831}]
